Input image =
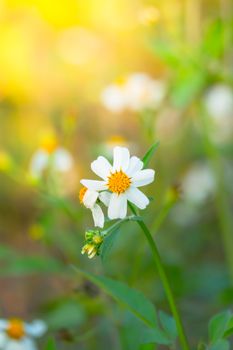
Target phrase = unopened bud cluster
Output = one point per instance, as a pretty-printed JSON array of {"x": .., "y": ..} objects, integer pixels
[{"x": 93, "y": 241}]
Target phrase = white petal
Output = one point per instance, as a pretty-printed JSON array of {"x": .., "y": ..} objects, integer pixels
[
  {"x": 101, "y": 167},
  {"x": 3, "y": 339},
  {"x": 136, "y": 197},
  {"x": 3, "y": 324},
  {"x": 39, "y": 162},
  {"x": 118, "y": 206},
  {"x": 98, "y": 216},
  {"x": 23, "y": 344},
  {"x": 143, "y": 177},
  {"x": 62, "y": 160},
  {"x": 104, "y": 197},
  {"x": 120, "y": 158},
  {"x": 135, "y": 164},
  {"x": 36, "y": 329},
  {"x": 94, "y": 185},
  {"x": 90, "y": 198}
]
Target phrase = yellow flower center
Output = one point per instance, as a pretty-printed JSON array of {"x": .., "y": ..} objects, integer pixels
[
  {"x": 118, "y": 182},
  {"x": 15, "y": 329},
  {"x": 82, "y": 194},
  {"x": 49, "y": 143}
]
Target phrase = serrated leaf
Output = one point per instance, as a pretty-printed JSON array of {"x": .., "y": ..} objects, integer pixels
[
  {"x": 169, "y": 325},
  {"x": 149, "y": 154},
  {"x": 220, "y": 344},
  {"x": 131, "y": 298},
  {"x": 51, "y": 345},
  {"x": 156, "y": 336},
  {"x": 218, "y": 325}
]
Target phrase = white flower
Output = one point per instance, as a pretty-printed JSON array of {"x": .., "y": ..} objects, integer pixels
[
  {"x": 58, "y": 158},
  {"x": 120, "y": 181},
  {"x": 137, "y": 92},
  {"x": 18, "y": 335},
  {"x": 143, "y": 92},
  {"x": 198, "y": 183},
  {"x": 114, "y": 98},
  {"x": 219, "y": 101},
  {"x": 89, "y": 199},
  {"x": 219, "y": 105}
]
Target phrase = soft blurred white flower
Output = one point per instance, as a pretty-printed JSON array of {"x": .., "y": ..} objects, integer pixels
[
  {"x": 18, "y": 335},
  {"x": 143, "y": 92},
  {"x": 50, "y": 155},
  {"x": 137, "y": 92},
  {"x": 218, "y": 102},
  {"x": 198, "y": 183},
  {"x": 120, "y": 181},
  {"x": 113, "y": 98}
]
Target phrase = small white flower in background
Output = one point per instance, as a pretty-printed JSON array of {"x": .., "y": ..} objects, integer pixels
[
  {"x": 113, "y": 98},
  {"x": 89, "y": 199},
  {"x": 18, "y": 335},
  {"x": 218, "y": 102},
  {"x": 137, "y": 92},
  {"x": 143, "y": 92},
  {"x": 198, "y": 183},
  {"x": 120, "y": 182},
  {"x": 50, "y": 154}
]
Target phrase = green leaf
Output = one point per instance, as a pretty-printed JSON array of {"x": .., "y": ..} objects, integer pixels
[
  {"x": 65, "y": 314},
  {"x": 218, "y": 325},
  {"x": 156, "y": 336},
  {"x": 220, "y": 344},
  {"x": 169, "y": 325},
  {"x": 149, "y": 154},
  {"x": 51, "y": 345},
  {"x": 132, "y": 299},
  {"x": 229, "y": 330},
  {"x": 108, "y": 243}
]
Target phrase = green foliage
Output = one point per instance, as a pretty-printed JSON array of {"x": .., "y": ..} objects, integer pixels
[
  {"x": 65, "y": 314},
  {"x": 16, "y": 264},
  {"x": 130, "y": 298},
  {"x": 218, "y": 325},
  {"x": 108, "y": 243},
  {"x": 51, "y": 345},
  {"x": 168, "y": 324},
  {"x": 220, "y": 344},
  {"x": 144, "y": 326},
  {"x": 149, "y": 154}
]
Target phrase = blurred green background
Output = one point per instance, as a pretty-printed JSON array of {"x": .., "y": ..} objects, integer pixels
[{"x": 57, "y": 58}]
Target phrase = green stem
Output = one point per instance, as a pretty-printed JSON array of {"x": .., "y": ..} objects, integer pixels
[{"x": 166, "y": 284}]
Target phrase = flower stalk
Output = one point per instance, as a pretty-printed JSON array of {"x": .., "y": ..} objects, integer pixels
[{"x": 165, "y": 281}]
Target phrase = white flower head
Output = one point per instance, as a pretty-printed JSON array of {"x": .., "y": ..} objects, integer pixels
[
  {"x": 198, "y": 184},
  {"x": 89, "y": 199},
  {"x": 219, "y": 101},
  {"x": 50, "y": 154},
  {"x": 143, "y": 92},
  {"x": 120, "y": 182},
  {"x": 18, "y": 335},
  {"x": 137, "y": 92},
  {"x": 113, "y": 98},
  {"x": 219, "y": 104}
]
